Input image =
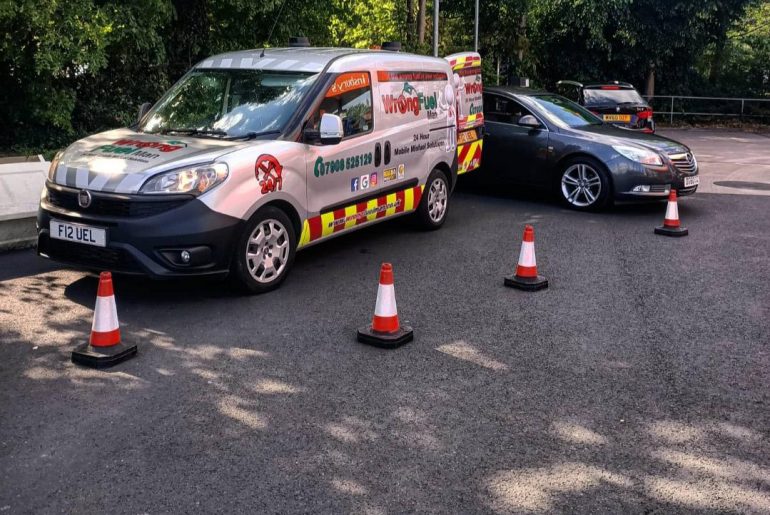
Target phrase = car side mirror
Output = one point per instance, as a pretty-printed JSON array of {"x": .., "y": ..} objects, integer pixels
[
  {"x": 143, "y": 110},
  {"x": 529, "y": 121},
  {"x": 331, "y": 130}
]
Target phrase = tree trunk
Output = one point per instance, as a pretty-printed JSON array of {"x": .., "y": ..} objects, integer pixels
[
  {"x": 716, "y": 63},
  {"x": 649, "y": 88},
  {"x": 421, "y": 22},
  {"x": 409, "y": 20}
]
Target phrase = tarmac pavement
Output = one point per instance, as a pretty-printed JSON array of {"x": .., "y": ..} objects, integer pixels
[{"x": 636, "y": 383}]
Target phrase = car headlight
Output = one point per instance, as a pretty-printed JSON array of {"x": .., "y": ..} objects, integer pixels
[
  {"x": 640, "y": 155},
  {"x": 54, "y": 165},
  {"x": 194, "y": 179}
]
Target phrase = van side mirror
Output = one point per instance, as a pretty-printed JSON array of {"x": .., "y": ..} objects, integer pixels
[
  {"x": 143, "y": 110},
  {"x": 331, "y": 130},
  {"x": 529, "y": 121}
]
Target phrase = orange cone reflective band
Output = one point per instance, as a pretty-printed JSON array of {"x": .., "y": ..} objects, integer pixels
[
  {"x": 385, "y": 331},
  {"x": 105, "y": 330},
  {"x": 527, "y": 266},
  {"x": 672, "y": 211},
  {"x": 526, "y": 277},
  {"x": 385, "y": 312},
  {"x": 671, "y": 225},
  {"x": 104, "y": 348}
]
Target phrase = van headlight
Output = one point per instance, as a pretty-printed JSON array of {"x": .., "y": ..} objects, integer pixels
[
  {"x": 193, "y": 179},
  {"x": 54, "y": 165},
  {"x": 640, "y": 155}
]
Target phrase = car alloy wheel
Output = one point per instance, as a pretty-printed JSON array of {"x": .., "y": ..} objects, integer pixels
[
  {"x": 267, "y": 251},
  {"x": 581, "y": 185},
  {"x": 437, "y": 199}
]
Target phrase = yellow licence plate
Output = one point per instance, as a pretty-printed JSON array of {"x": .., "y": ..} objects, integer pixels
[{"x": 617, "y": 117}]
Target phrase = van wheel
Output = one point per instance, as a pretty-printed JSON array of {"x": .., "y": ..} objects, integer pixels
[
  {"x": 434, "y": 204},
  {"x": 265, "y": 251}
]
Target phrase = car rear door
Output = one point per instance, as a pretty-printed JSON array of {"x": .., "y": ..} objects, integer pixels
[{"x": 512, "y": 153}]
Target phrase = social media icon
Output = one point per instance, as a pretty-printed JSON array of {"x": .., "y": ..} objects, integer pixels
[
  {"x": 373, "y": 179},
  {"x": 364, "y": 182},
  {"x": 354, "y": 184}
]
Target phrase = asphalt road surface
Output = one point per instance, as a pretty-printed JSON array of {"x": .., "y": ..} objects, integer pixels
[{"x": 637, "y": 383}]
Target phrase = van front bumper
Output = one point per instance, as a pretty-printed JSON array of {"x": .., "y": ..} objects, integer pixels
[{"x": 145, "y": 235}]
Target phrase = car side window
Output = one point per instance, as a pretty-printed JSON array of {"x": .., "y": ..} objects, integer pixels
[
  {"x": 350, "y": 98},
  {"x": 503, "y": 110}
]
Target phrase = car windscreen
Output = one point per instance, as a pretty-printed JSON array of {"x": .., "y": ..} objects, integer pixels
[
  {"x": 611, "y": 97},
  {"x": 229, "y": 103},
  {"x": 563, "y": 112}
]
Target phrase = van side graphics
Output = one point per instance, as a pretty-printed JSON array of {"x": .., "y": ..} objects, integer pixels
[
  {"x": 269, "y": 173},
  {"x": 414, "y": 76},
  {"x": 360, "y": 213}
]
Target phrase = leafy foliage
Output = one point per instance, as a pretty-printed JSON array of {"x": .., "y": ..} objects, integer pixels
[{"x": 72, "y": 67}]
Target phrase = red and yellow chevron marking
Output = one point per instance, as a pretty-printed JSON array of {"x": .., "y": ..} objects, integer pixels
[
  {"x": 469, "y": 156},
  {"x": 470, "y": 121},
  {"x": 326, "y": 224},
  {"x": 465, "y": 61}
]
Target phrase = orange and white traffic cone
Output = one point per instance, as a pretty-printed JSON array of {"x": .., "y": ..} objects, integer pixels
[
  {"x": 526, "y": 277},
  {"x": 671, "y": 225},
  {"x": 104, "y": 348},
  {"x": 385, "y": 330}
]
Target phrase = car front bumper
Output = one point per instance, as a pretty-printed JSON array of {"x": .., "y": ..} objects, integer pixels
[
  {"x": 635, "y": 181},
  {"x": 145, "y": 235}
]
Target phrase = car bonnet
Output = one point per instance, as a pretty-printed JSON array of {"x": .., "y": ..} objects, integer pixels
[{"x": 120, "y": 161}]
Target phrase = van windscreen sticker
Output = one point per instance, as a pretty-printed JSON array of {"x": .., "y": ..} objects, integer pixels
[{"x": 348, "y": 82}]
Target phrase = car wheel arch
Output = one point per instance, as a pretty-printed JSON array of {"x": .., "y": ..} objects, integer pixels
[{"x": 574, "y": 156}]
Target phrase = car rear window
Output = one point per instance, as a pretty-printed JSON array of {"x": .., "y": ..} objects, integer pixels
[{"x": 597, "y": 97}]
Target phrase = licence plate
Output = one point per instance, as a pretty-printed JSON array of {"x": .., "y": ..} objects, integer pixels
[
  {"x": 691, "y": 181},
  {"x": 79, "y": 233},
  {"x": 617, "y": 118}
]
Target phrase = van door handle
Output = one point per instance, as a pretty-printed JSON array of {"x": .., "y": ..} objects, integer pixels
[
  {"x": 377, "y": 154},
  {"x": 387, "y": 152}
]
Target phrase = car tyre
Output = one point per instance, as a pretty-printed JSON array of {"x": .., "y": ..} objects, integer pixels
[
  {"x": 434, "y": 204},
  {"x": 584, "y": 185},
  {"x": 265, "y": 251}
]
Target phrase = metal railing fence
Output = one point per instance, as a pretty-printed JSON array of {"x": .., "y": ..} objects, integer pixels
[{"x": 757, "y": 109}]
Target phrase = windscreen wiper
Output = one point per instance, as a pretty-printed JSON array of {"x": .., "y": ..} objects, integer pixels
[
  {"x": 195, "y": 132},
  {"x": 253, "y": 135}
]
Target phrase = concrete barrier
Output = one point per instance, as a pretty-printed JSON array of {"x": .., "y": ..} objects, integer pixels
[{"x": 22, "y": 179}]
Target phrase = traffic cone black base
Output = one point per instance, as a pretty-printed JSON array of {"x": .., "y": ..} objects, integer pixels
[
  {"x": 102, "y": 357},
  {"x": 527, "y": 283},
  {"x": 403, "y": 335},
  {"x": 671, "y": 231}
]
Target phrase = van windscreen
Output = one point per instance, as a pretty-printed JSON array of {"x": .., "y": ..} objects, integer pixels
[{"x": 229, "y": 103}]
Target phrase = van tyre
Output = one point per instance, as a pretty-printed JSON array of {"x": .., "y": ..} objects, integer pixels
[
  {"x": 434, "y": 204},
  {"x": 583, "y": 184},
  {"x": 265, "y": 251}
]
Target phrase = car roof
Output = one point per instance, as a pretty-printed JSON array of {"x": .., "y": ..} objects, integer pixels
[
  {"x": 515, "y": 90},
  {"x": 594, "y": 85},
  {"x": 302, "y": 59}
]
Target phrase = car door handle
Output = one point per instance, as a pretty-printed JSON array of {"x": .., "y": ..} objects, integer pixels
[
  {"x": 387, "y": 152},
  {"x": 377, "y": 154}
]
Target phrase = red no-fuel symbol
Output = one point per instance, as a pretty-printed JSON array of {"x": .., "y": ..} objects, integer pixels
[{"x": 269, "y": 173}]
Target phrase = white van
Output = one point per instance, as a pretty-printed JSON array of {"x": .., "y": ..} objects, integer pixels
[{"x": 253, "y": 155}]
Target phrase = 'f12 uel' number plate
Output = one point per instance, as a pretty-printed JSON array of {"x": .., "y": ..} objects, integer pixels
[
  {"x": 691, "y": 181},
  {"x": 79, "y": 233}
]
